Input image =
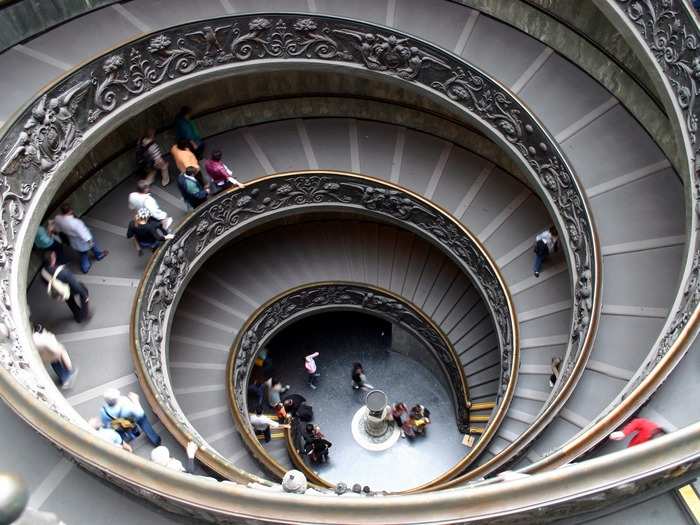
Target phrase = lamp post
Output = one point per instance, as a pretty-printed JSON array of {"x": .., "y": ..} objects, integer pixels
[{"x": 375, "y": 424}]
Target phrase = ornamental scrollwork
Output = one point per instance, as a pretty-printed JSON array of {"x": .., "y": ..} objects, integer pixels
[
  {"x": 274, "y": 316},
  {"x": 223, "y": 217},
  {"x": 48, "y": 134},
  {"x": 673, "y": 39},
  {"x": 137, "y": 68},
  {"x": 44, "y": 136}
]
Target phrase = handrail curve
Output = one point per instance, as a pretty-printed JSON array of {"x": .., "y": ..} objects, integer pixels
[
  {"x": 660, "y": 464},
  {"x": 19, "y": 195},
  {"x": 44, "y": 142},
  {"x": 234, "y": 211},
  {"x": 287, "y": 307},
  {"x": 666, "y": 36}
]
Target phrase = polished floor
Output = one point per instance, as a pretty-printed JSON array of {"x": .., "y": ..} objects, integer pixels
[{"x": 342, "y": 338}]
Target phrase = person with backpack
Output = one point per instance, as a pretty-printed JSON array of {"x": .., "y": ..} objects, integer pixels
[
  {"x": 262, "y": 424},
  {"x": 55, "y": 354},
  {"x": 191, "y": 189},
  {"x": 108, "y": 434},
  {"x": 317, "y": 448},
  {"x": 149, "y": 158},
  {"x": 63, "y": 286},
  {"x": 125, "y": 415},
  {"x": 183, "y": 157},
  {"x": 146, "y": 231},
  {"x": 546, "y": 243}
]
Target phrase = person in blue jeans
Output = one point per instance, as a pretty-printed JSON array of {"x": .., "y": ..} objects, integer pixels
[
  {"x": 79, "y": 237},
  {"x": 122, "y": 407}
]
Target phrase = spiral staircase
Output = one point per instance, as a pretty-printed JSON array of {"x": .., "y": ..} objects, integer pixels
[{"x": 387, "y": 145}]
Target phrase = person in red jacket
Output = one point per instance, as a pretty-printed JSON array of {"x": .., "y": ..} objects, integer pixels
[{"x": 644, "y": 428}]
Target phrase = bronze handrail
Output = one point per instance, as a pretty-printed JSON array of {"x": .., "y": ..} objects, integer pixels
[
  {"x": 216, "y": 221},
  {"x": 235, "y": 380},
  {"x": 100, "y": 95}
]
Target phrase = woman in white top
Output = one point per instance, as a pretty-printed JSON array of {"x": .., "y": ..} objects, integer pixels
[
  {"x": 545, "y": 244},
  {"x": 54, "y": 353}
]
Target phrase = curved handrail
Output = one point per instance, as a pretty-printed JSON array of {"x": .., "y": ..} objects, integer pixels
[
  {"x": 666, "y": 37},
  {"x": 298, "y": 461},
  {"x": 592, "y": 485},
  {"x": 231, "y": 212},
  {"x": 102, "y": 93},
  {"x": 285, "y": 308}
]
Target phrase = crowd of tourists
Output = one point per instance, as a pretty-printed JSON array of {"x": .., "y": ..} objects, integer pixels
[{"x": 122, "y": 419}]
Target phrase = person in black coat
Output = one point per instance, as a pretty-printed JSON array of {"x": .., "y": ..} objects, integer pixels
[{"x": 292, "y": 402}]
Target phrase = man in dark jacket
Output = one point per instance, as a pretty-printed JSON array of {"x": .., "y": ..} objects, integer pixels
[{"x": 190, "y": 188}]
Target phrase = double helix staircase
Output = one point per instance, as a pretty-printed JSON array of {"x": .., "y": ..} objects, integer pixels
[{"x": 636, "y": 199}]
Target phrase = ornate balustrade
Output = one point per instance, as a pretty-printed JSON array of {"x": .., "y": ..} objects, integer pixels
[
  {"x": 41, "y": 146},
  {"x": 44, "y": 142},
  {"x": 279, "y": 312},
  {"x": 666, "y": 36},
  {"x": 231, "y": 213}
]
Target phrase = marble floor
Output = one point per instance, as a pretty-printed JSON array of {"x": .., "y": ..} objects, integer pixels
[{"x": 345, "y": 337}]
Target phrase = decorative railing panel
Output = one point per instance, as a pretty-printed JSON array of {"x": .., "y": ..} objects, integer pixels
[
  {"x": 666, "y": 36},
  {"x": 228, "y": 214},
  {"x": 45, "y": 141},
  {"x": 278, "y": 313}
]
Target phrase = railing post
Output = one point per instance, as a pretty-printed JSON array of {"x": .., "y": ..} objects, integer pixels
[{"x": 14, "y": 497}]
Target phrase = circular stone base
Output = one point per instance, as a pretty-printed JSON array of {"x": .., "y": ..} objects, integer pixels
[{"x": 374, "y": 443}]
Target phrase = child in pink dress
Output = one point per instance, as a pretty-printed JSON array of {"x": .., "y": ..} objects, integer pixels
[{"x": 311, "y": 369}]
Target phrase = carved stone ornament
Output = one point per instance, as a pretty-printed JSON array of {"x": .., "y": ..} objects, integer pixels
[
  {"x": 47, "y": 133},
  {"x": 273, "y": 317},
  {"x": 220, "y": 219},
  {"x": 672, "y": 37}
]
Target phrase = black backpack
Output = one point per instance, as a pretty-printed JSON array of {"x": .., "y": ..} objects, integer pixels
[
  {"x": 305, "y": 413},
  {"x": 143, "y": 159}
]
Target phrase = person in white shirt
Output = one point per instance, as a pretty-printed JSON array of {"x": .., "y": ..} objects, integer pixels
[
  {"x": 263, "y": 424},
  {"x": 142, "y": 198},
  {"x": 546, "y": 243},
  {"x": 79, "y": 236},
  {"x": 161, "y": 456},
  {"x": 55, "y": 354},
  {"x": 121, "y": 407}
]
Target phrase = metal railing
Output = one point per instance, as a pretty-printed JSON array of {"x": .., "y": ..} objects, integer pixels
[
  {"x": 312, "y": 298},
  {"x": 39, "y": 151},
  {"x": 235, "y": 211}
]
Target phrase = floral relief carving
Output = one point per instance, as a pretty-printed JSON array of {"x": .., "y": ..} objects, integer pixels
[
  {"x": 48, "y": 134},
  {"x": 45, "y": 135},
  {"x": 222, "y": 217},
  {"x": 273, "y": 317}
]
